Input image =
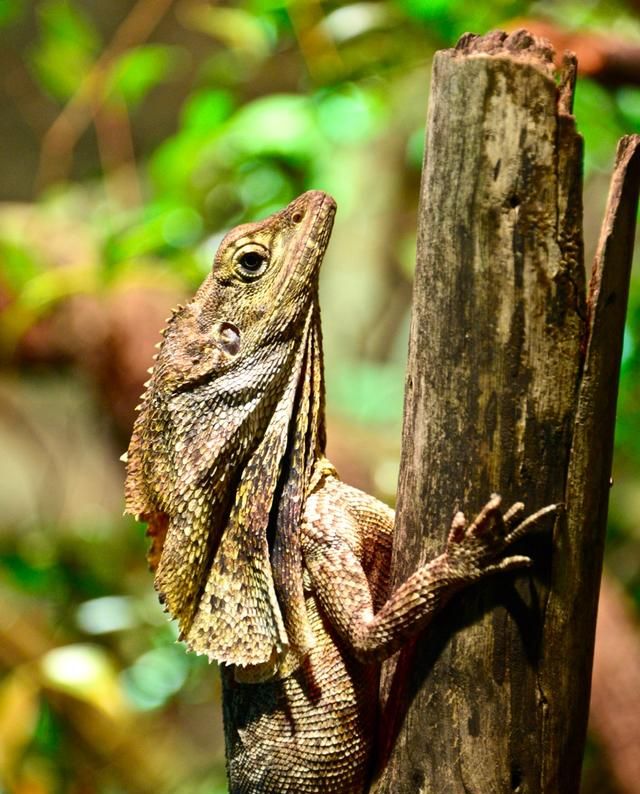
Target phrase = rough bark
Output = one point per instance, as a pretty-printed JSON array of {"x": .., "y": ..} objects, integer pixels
[{"x": 510, "y": 388}]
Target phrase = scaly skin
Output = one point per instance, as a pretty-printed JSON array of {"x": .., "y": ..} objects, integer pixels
[{"x": 272, "y": 566}]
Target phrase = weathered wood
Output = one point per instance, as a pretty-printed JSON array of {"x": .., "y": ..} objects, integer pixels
[
  {"x": 493, "y": 697},
  {"x": 570, "y": 616}
]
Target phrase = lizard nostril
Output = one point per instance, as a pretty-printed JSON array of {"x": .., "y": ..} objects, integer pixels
[{"x": 297, "y": 217}]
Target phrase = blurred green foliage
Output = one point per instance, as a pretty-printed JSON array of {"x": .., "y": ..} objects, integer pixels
[
  {"x": 66, "y": 49},
  {"x": 144, "y": 153}
]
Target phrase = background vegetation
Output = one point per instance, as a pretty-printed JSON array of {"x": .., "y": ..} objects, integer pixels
[{"x": 133, "y": 135}]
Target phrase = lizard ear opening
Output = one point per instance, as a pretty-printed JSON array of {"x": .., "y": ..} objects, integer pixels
[{"x": 227, "y": 337}]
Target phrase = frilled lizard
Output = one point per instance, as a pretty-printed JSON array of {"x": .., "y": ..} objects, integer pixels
[{"x": 272, "y": 566}]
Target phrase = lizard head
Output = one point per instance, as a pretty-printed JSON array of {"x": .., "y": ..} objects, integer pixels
[
  {"x": 265, "y": 274},
  {"x": 263, "y": 280}
]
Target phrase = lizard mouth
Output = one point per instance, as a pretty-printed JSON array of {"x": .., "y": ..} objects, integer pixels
[{"x": 315, "y": 212}]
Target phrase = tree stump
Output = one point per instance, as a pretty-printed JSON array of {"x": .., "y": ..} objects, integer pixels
[{"x": 511, "y": 387}]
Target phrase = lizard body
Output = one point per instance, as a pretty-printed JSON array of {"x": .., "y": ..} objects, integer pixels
[{"x": 272, "y": 566}]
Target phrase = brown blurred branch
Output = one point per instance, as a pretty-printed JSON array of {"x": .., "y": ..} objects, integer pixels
[
  {"x": 117, "y": 153},
  {"x": 60, "y": 139},
  {"x": 319, "y": 52},
  {"x": 604, "y": 58},
  {"x": 615, "y": 688}
]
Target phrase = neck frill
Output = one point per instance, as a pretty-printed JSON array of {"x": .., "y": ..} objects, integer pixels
[{"x": 229, "y": 562}]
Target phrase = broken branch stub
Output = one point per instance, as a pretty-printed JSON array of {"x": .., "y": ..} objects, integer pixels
[{"x": 500, "y": 397}]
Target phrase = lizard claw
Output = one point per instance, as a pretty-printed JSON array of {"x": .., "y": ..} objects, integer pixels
[
  {"x": 488, "y": 516},
  {"x": 509, "y": 563},
  {"x": 526, "y": 526},
  {"x": 474, "y": 549},
  {"x": 458, "y": 528},
  {"x": 513, "y": 514}
]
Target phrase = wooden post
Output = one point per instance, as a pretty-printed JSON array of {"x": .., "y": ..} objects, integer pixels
[{"x": 511, "y": 388}]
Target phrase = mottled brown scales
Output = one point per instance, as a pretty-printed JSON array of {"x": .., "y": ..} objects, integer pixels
[{"x": 272, "y": 566}]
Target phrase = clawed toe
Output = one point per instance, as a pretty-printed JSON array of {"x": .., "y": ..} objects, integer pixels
[
  {"x": 458, "y": 527},
  {"x": 513, "y": 514},
  {"x": 534, "y": 521},
  {"x": 486, "y": 516}
]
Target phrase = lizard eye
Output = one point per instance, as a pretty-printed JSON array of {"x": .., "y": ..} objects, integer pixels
[{"x": 251, "y": 261}]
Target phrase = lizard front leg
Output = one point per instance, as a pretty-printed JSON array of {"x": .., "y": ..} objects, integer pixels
[{"x": 472, "y": 552}]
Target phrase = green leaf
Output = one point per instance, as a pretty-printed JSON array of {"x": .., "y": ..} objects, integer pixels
[
  {"x": 415, "y": 149},
  {"x": 61, "y": 21},
  {"x": 174, "y": 162},
  {"x": 204, "y": 111},
  {"x": 281, "y": 125},
  {"x": 349, "y": 114},
  {"x": 18, "y": 265},
  {"x": 628, "y": 102},
  {"x": 161, "y": 228},
  {"x": 451, "y": 18},
  {"x": 258, "y": 6},
  {"x": 10, "y": 11},
  {"x": 66, "y": 50},
  {"x": 181, "y": 227},
  {"x": 367, "y": 392},
  {"x": 156, "y": 676},
  {"x": 595, "y": 113},
  {"x": 141, "y": 69},
  {"x": 236, "y": 28},
  {"x": 262, "y": 184}
]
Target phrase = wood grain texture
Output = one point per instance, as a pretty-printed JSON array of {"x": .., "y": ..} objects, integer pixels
[
  {"x": 569, "y": 629},
  {"x": 494, "y": 697}
]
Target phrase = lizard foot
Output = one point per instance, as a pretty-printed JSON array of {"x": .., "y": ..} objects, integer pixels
[{"x": 475, "y": 549}]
